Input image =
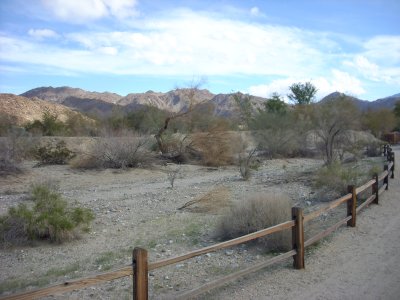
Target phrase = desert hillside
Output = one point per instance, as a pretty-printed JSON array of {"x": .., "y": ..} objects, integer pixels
[{"x": 23, "y": 110}]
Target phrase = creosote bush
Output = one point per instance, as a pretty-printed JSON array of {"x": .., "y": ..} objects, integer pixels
[
  {"x": 333, "y": 179},
  {"x": 54, "y": 155},
  {"x": 256, "y": 213},
  {"x": 48, "y": 218}
]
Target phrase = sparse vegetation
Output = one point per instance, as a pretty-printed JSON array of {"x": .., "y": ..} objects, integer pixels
[
  {"x": 256, "y": 213},
  {"x": 48, "y": 218},
  {"x": 50, "y": 125},
  {"x": 172, "y": 174},
  {"x": 333, "y": 179},
  {"x": 115, "y": 152},
  {"x": 247, "y": 163},
  {"x": 14, "y": 147},
  {"x": 53, "y": 155}
]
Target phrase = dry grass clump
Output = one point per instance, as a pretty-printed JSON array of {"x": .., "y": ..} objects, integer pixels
[
  {"x": 256, "y": 213},
  {"x": 115, "y": 153},
  {"x": 210, "y": 202}
]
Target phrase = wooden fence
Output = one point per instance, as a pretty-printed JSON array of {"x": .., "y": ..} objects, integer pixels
[{"x": 140, "y": 266}]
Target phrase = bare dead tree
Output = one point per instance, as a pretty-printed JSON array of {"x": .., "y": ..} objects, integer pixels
[{"x": 160, "y": 135}]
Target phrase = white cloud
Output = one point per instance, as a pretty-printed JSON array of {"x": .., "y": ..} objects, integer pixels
[
  {"x": 338, "y": 81},
  {"x": 80, "y": 11},
  {"x": 42, "y": 33},
  {"x": 379, "y": 61},
  {"x": 184, "y": 43},
  {"x": 255, "y": 11}
]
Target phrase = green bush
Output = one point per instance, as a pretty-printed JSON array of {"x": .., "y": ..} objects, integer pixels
[
  {"x": 50, "y": 218},
  {"x": 256, "y": 213},
  {"x": 334, "y": 179},
  {"x": 50, "y": 125},
  {"x": 50, "y": 155}
]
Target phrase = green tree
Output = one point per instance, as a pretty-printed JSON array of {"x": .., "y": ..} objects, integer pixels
[
  {"x": 50, "y": 125},
  {"x": 243, "y": 103},
  {"x": 275, "y": 104},
  {"x": 332, "y": 121},
  {"x": 379, "y": 121},
  {"x": 302, "y": 93},
  {"x": 396, "y": 111}
]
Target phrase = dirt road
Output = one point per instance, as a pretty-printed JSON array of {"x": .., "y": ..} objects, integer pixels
[{"x": 356, "y": 263}]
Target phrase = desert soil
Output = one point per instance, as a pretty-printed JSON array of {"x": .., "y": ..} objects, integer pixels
[
  {"x": 139, "y": 208},
  {"x": 356, "y": 263}
]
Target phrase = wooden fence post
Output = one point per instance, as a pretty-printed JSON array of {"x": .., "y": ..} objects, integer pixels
[
  {"x": 298, "y": 238},
  {"x": 375, "y": 188},
  {"x": 351, "y": 206},
  {"x": 386, "y": 179},
  {"x": 392, "y": 160},
  {"x": 140, "y": 274}
]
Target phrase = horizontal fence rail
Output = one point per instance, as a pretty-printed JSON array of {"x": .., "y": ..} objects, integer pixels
[
  {"x": 140, "y": 266},
  {"x": 223, "y": 245}
]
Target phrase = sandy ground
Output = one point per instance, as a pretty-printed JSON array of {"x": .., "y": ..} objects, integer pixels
[
  {"x": 138, "y": 208},
  {"x": 356, "y": 263}
]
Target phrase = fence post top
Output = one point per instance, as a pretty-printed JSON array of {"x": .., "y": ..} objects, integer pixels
[{"x": 296, "y": 209}]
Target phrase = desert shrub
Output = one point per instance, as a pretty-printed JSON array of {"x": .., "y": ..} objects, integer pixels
[
  {"x": 247, "y": 163},
  {"x": 256, "y": 213},
  {"x": 14, "y": 148},
  {"x": 115, "y": 153},
  {"x": 50, "y": 125},
  {"x": 50, "y": 218},
  {"x": 373, "y": 149},
  {"x": 333, "y": 179},
  {"x": 6, "y": 123},
  {"x": 8, "y": 163},
  {"x": 53, "y": 155},
  {"x": 216, "y": 147},
  {"x": 78, "y": 125}
]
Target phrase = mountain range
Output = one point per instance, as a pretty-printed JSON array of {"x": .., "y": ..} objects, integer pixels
[
  {"x": 387, "y": 102},
  {"x": 103, "y": 104},
  {"x": 64, "y": 100}
]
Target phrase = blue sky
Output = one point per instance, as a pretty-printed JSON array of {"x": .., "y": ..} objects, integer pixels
[{"x": 257, "y": 47}]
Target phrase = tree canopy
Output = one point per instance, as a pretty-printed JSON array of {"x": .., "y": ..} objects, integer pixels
[{"x": 302, "y": 93}]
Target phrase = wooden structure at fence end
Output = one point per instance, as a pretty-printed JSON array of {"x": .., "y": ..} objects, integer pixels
[
  {"x": 298, "y": 237},
  {"x": 140, "y": 271},
  {"x": 352, "y": 206}
]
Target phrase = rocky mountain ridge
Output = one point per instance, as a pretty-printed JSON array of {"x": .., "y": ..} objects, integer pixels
[
  {"x": 387, "y": 102},
  {"x": 22, "y": 110},
  {"x": 103, "y": 104}
]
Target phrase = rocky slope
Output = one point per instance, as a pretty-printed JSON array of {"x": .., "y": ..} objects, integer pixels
[
  {"x": 104, "y": 103},
  {"x": 387, "y": 102},
  {"x": 59, "y": 94},
  {"x": 23, "y": 110}
]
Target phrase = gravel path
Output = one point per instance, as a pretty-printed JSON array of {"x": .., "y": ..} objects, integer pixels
[{"x": 356, "y": 263}]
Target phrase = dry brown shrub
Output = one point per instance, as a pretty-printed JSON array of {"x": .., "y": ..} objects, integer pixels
[
  {"x": 256, "y": 213},
  {"x": 116, "y": 153},
  {"x": 215, "y": 146}
]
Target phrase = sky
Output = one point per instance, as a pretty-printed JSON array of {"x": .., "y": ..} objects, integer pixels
[{"x": 256, "y": 47}]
